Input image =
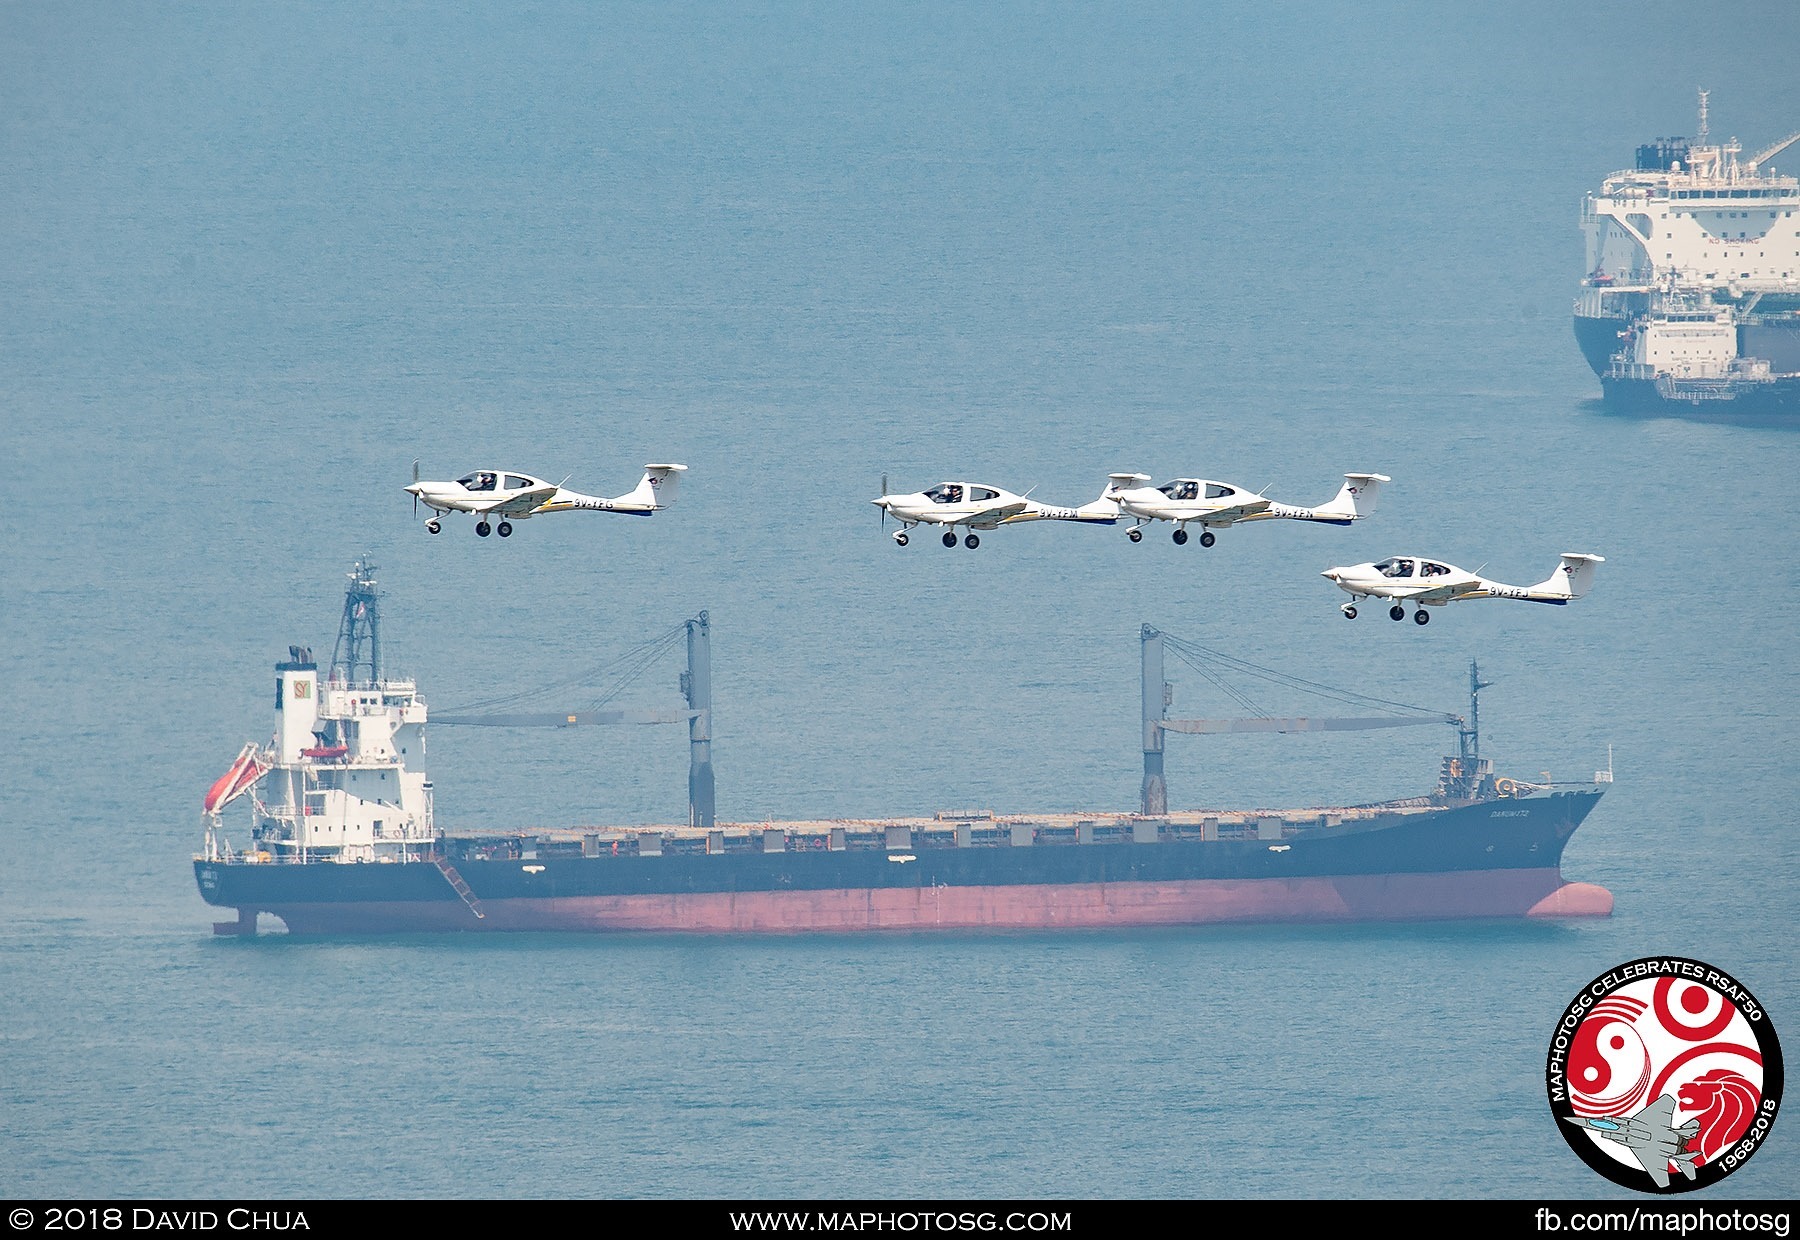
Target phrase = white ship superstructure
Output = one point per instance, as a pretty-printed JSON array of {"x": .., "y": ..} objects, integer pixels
[
  {"x": 342, "y": 778},
  {"x": 1693, "y": 227}
]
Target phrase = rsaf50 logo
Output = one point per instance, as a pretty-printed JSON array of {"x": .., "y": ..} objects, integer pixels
[{"x": 1664, "y": 1074}]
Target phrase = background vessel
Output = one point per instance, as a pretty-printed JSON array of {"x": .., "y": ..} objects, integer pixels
[{"x": 1692, "y": 292}]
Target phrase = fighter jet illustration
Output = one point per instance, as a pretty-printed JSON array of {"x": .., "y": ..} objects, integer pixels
[{"x": 1650, "y": 1137}]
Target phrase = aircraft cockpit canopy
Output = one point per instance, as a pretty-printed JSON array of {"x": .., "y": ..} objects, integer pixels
[
  {"x": 1218, "y": 490},
  {"x": 1181, "y": 488},
  {"x": 1396, "y": 567},
  {"x": 480, "y": 480},
  {"x": 947, "y": 493},
  {"x": 518, "y": 482}
]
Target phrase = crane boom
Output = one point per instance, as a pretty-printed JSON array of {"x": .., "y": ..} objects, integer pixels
[
  {"x": 1207, "y": 727},
  {"x": 1764, "y": 156},
  {"x": 573, "y": 718}
]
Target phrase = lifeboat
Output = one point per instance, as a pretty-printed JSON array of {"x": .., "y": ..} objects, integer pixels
[{"x": 249, "y": 767}]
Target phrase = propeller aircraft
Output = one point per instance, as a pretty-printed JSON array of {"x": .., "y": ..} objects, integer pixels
[
  {"x": 973, "y": 506},
  {"x": 1432, "y": 583},
  {"x": 511, "y": 496},
  {"x": 1217, "y": 505}
]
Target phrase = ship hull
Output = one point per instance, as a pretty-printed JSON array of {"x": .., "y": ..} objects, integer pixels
[
  {"x": 1721, "y": 397},
  {"x": 1490, "y": 859},
  {"x": 1395, "y": 897},
  {"x": 1598, "y": 337},
  {"x": 1774, "y": 339}
]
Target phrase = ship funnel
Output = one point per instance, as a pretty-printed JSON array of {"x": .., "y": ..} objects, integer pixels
[{"x": 296, "y": 704}]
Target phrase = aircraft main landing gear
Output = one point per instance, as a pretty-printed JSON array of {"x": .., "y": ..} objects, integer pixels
[
  {"x": 1208, "y": 538},
  {"x": 1421, "y": 617},
  {"x": 432, "y": 526},
  {"x": 504, "y": 529},
  {"x": 1396, "y": 612},
  {"x": 1180, "y": 537},
  {"x": 483, "y": 529},
  {"x": 949, "y": 538},
  {"x": 971, "y": 542}
]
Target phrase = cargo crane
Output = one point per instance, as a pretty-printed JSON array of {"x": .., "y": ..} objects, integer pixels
[
  {"x": 356, "y": 659},
  {"x": 696, "y": 688},
  {"x": 1462, "y": 776}
]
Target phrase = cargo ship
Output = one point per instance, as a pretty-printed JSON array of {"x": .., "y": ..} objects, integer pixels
[
  {"x": 1691, "y": 297},
  {"x": 341, "y": 837}
]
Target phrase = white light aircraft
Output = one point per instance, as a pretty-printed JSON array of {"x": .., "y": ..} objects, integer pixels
[
  {"x": 976, "y": 506},
  {"x": 511, "y": 496},
  {"x": 1432, "y": 583},
  {"x": 1216, "y": 505}
]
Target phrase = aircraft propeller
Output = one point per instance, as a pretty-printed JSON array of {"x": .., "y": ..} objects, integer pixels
[
  {"x": 415, "y": 483},
  {"x": 884, "y": 492}
]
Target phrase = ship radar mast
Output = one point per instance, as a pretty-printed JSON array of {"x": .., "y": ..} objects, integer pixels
[
  {"x": 359, "y": 632},
  {"x": 1468, "y": 733}
]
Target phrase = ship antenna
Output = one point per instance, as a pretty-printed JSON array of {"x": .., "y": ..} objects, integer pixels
[{"x": 1703, "y": 130}]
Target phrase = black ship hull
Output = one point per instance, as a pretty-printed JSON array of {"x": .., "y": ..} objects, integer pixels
[{"x": 1494, "y": 858}]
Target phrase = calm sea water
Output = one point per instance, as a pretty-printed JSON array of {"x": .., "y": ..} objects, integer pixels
[{"x": 256, "y": 260}]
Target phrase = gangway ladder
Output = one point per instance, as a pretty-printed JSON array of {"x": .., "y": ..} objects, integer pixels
[{"x": 458, "y": 885}]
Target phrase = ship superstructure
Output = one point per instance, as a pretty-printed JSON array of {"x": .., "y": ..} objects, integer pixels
[
  {"x": 1693, "y": 273},
  {"x": 343, "y": 777}
]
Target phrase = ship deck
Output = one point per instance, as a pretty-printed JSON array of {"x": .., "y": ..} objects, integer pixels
[{"x": 956, "y": 826}]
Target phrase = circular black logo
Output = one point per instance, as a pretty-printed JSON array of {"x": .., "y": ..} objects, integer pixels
[{"x": 1664, "y": 1074}]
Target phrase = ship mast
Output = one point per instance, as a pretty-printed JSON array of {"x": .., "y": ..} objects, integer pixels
[
  {"x": 696, "y": 686},
  {"x": 1157, "y": 693},
  {"x": 1468, "y": 734},
  {"x": 359, "y": 632}
]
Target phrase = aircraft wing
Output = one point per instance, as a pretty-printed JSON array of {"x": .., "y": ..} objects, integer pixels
[
  {"x": 1652, "y": 1156},
  {"x": 1657, "y": 1167},
  {"x": 521, "y": 503},
  {"x": 1437, "y": 594},
  {"x": 1237, "y": 512},
  {"x": 988, "y": 518}
]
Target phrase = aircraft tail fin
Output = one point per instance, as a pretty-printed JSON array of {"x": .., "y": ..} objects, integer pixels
[
  {"x": 1355, "y": 499},
  {"x": 1105, "y": 507},
  {"x": 657, "y": 488},
  {"x": 1116, "y": 483},
  {"x": 1573, "y": 577}
]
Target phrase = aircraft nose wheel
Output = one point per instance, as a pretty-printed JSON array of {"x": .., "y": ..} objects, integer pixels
[
  {"x": 1180, "y": 537},
  {"x": 432, "y": 527},
  {"x": 483, "y": 529},
  {"x": 1135, "y": 535},
  {"x": 1396, "y": 612},
  {"x": 900, "y": 537},
  {"x": 1349, "y": 610},
  {"x": 1421, "y": 617},
  {"x": 504, "y": 529},
  {"x": 949, "y": 538},
  {"x": 971, "y": 542},
  {"x": 1207, "y": 538}
]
